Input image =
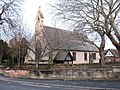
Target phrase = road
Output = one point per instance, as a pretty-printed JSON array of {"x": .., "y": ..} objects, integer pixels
[{"x": 34, "y": 84}]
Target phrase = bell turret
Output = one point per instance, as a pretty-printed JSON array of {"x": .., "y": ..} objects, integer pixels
[
  {"x": 39, "y": 23},
  {"x": 39, "y": 16}
]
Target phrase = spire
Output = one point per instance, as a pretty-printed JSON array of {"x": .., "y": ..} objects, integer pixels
[
  {"x": 39, "y": 17},
  {"x": 40, "y": 12},
  {"x": 39, "y": 21}
]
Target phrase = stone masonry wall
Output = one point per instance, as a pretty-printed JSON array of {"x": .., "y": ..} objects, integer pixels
[{"x": 66, "y": 73}]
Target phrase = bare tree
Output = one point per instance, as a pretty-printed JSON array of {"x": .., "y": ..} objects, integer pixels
[
  {"x": 42, "y": 53},
  {"x": 43, "y": 46},
  {"x": 8, "y": 10},
  {"x": 112, "y": 21},
  {"x": 9, "y": 13},
  {"x": 19, "y": 42},
  {"x": 90, "y": 17}
]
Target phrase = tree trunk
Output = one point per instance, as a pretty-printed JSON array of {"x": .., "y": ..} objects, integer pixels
[
  {"x": 118, "y": 49},
  {"x": 101, "y": 51},
  {"x": 36, "y": 58},
  {"x": 102, "y": 57},
  {"x": 1, "y": 58},
  {"x": 19, "y": 63},
  {"x": 114, "y": 42},
  {"x": 37, "y": 63}
]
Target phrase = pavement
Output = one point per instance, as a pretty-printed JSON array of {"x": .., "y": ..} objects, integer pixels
[{"x": 36, "y": 84}]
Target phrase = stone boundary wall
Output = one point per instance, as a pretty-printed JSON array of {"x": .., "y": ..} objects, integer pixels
[
  {"x": 72, "y": 74},
  {"x": 65, "y": 73}
]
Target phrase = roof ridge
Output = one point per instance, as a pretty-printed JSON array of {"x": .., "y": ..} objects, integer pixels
[{"x": 57, "y": 28}]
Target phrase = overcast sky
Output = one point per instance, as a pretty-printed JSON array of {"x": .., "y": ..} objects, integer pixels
[{"x": 30, "y": 8}]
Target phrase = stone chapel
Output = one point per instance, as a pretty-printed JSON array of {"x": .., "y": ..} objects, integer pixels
[{"x": 58, "y": 46}]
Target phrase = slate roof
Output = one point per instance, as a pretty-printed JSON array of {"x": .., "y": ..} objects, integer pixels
[{"x": 64, "y": 39}]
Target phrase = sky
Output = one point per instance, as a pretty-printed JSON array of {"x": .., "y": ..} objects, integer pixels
[{"x": 30, "y": 8}]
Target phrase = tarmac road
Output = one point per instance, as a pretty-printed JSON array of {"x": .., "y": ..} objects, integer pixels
[{"x": 35, "y": 84}]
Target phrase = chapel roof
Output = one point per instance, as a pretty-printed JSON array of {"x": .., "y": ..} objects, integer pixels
[{"x": 64, "y": 39}]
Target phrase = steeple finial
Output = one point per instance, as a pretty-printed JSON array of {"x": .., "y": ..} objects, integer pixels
[
  {"x": 40, "y": 12},
  {"x": 39, "y": 7}
]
